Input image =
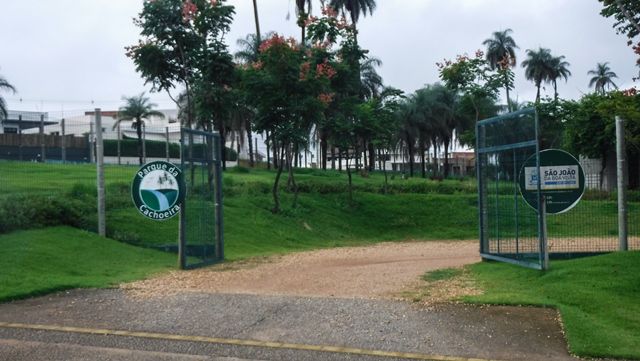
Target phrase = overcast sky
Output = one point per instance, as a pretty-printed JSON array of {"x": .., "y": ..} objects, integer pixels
[{"x": 68, "y": 55}]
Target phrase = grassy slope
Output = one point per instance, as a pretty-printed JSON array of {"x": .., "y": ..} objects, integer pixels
[
  {"x": 41, "y": 261},
  {"x": 597, "y": 297}
]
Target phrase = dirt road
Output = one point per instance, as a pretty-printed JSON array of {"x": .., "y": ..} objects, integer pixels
[{"x": 379, "y": 271}]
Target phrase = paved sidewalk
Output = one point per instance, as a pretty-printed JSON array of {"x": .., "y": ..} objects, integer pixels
[{"x": 501, "y": 333}]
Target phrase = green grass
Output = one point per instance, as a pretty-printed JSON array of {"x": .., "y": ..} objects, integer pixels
[
  {"x": 441, "y": 274},
  {"x": 598, "y": 298},
  {"x": 37, "y": 262}
]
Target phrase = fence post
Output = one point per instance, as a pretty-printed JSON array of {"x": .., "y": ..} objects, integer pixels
[
  {"x": 166, "y": 132},
  {"x": 91, "y": 143},
  {"x": 20, "y": 137},
  {"x": 118, "y": 145},
  {"x": 622, "y": 185},
  {"x": 63, "y": 141},
  {"x": 182, "y": 230},
  {"x": 43, "y": 156},
  {"x": 100, "y": 175}
]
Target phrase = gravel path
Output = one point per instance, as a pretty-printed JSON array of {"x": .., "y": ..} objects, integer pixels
[{"x": 379, "y": 271}]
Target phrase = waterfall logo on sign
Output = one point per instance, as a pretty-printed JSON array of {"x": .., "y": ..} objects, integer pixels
[{"x": 158, "y": 190}]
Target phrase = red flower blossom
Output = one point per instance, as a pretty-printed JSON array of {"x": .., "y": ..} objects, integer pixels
[
  {"x": 257, "y": 65},
  {"x": 304, "y": 70},
  {"x": 189, "y": 10},
  {"x": 324, "y": 69},
  {"x": 326, "y": 98},
  {"x": 329, "y": 11}
]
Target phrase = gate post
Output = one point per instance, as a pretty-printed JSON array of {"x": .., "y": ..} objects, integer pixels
[
  {"x": 182, "y": 254},
  {"x": 100, "y": 175},
  {"x": 218, "y": 198},
  {"x": 622, "y": 186}
]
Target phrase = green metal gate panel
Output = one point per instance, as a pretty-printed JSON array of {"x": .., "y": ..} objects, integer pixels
[
  {"x": 510, "y": 230},
  {"x": 201, "y": 219}
]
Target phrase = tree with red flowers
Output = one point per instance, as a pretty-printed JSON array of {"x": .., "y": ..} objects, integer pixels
[
  {"x": 289, "y": 86},
  {"x": 182, "y": 46}
]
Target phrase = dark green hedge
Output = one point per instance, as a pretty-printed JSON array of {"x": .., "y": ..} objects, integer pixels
[{"x": 155, "y": 149}]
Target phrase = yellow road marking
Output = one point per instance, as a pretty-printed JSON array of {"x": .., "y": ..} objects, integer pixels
[{"x": 237, "y": 342}]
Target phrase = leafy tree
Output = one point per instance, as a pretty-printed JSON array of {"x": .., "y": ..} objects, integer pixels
[
  {"x": 303, "y": 9},
  {"x": 538, "y": 65},
  {"x": 137, "y": 109},
  {"x": 559, "y": 68},
  {"x": 183, "y": 44},
  {"x": 473, "y": 77},
  {"x": 5, "y": 86},
  {"x": 288, "y": 87},
  {"x": 355, "y": 8},
  {"x": 627, "y": 20},
  {"x": 371, "y": 81},
  {"x": 501, "y": 55},
  {"x": 602, "y": 78}
]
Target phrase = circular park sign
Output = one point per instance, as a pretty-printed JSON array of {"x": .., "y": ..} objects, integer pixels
[
  {"x": 561, "y": 184},
  {"x": 158, "y": 190}
]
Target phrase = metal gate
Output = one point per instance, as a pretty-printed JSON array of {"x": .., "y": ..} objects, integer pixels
[
  {"x": 201, "y": 219},
  {"x": 510, "y": 229}
]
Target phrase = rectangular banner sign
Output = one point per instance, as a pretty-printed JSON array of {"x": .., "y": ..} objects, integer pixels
[{"x": 553, "y": 178}]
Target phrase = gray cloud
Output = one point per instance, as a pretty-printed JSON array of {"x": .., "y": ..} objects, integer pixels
[{"x": 64, "y": 54}]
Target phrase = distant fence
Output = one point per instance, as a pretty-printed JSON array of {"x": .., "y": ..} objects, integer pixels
[{"x": 40, "y": 147}]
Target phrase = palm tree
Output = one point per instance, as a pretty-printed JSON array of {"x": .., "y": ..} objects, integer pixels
[
  {"x": 137, "y": 108},
  {"x": 501, "y": 54},
  {"x": 303, "y": 8},
  {"x": 559, "y": 68},
  {"x": 257, "y": 20},
  {"x": 4, "y": 85},
  {"x": 603, "y": 77},
  {"x": 249, "y": 48},
  {"x": 370, "y": 80},
  {"x": 355, "y": 8},
  {"x": 538, "y": 67}
]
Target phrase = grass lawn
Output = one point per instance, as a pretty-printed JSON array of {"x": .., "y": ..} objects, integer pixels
[
  {"x": 598, "y": 298},
  {"x": 41, "y": 261}
]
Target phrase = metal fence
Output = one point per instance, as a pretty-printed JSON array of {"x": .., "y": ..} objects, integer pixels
[
  {"x": 510, "y": 229},
  {"x": 48, "y": 168}
]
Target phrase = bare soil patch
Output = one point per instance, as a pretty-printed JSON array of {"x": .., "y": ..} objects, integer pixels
[{"x": 385, "y": 270}]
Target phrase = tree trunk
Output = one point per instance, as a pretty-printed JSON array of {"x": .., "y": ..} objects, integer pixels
[
  {"x": 422, "y": 162},
  {"x": 274, "y": 145},
  {"x": 291, "y": 182},
  {"x": 275, "y": 190},
  {"x": 350, "y": 183},
  {"x": 323, "y": 151},
  {"x": 435, "y": 156},
  {"x": 386, "y": 180},
  {"x": 506, "y": 88},
  {"x": 340, "y": 159},
  {"x": 333, "y": 157},
  {"x": 257, "y": 20},
  {"x": 411, "y": 153},
  {"x": 372, "y": 157},
  {"x": 446, "y": 157},
  {"x": 139, "y": 133},
  {"x": 538, "y": 94},
  {"x": 250, "y": 139},
  {"x": 223, "y": 142},
  {"x": 267, "y": 143}
]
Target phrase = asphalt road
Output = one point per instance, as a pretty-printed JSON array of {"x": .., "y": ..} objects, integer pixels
[{"x": 198, "y": 326}]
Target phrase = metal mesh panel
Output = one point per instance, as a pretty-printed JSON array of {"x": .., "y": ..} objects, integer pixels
[
  {"x": 201, "y": 218},
  {"x": 509, "y": 227}
]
